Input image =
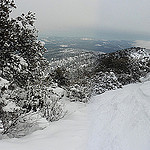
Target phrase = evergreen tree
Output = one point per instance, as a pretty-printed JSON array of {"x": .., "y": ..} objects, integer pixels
[
  {"x": 6, "y": 7},
  {"x": 21, "y": 53},
  {"x": 25, "y": 69}
]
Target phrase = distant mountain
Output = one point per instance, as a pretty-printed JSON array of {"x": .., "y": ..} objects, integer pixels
[{"x": 55, "y": 45}]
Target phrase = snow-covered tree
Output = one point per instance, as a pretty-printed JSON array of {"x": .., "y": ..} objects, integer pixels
[
  {"x": 21, "y": 52},
  {"x": 23, "y": 66}
]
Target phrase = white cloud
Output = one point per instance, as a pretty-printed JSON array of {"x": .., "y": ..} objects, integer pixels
[
  {"x": 61, "y": 14},
  {"x": 114, "y": 16}
]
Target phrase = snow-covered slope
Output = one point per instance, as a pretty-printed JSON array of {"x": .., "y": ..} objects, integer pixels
[
  {"x": 121, "y": 119},
  {"x": 69, "y": 133},
  {"x": 115, "y": 120}
]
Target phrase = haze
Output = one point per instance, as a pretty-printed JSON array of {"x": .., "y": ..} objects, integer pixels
[{"x": 105, "y": 19}]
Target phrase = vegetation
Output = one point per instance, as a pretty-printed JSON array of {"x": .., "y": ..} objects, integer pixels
[
  {"x": 128, "y": 65},
  {"x": 29, "y": 83},
  {"x": 24, "y": 86}
]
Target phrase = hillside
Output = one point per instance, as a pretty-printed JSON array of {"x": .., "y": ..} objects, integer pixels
[
  {"x": 78, "y": 94},
  {"x": 78, "y": 77},
  {"x": 127, "y": 66},
  {"x": 115, "y": 120}
]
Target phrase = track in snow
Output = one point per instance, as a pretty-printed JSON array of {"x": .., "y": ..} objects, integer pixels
[{"x": 121, "y": 119}]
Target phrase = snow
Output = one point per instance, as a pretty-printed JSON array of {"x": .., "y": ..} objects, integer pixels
[
  {"x": 98, "y": 45},
  {"x": 63, "y": 45},
  {"x": 138, "y": 55},
  {"x": 45, "y": 40},
  {"x": 1, "y": 128},
  {"x": 121, "y": 119},
  {"x": 3, "y": 82},
  {"x": 69, "y": 133},
  {"x": 10, "y": 107},
  {"x": 59, "y": 91},
  {"x": 23, "y": 62},
  {"x": 87, "y": 39},
  {"x": 147, "y": 78},
  {"x": 115, "y": 120}
]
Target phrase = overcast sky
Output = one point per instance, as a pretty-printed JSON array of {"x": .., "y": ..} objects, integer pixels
[{"x": 105, "y": 19}]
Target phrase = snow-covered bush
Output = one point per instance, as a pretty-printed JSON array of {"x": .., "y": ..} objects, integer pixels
[
  {"x": 51, "y": 107},
  {"x": 104, "y": 81},
  {"x": 21, "y": 109},
  {"x": 79, "y": 93},
  {"x": 19, "y": 124}
]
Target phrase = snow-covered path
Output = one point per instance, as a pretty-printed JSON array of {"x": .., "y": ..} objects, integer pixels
[
  {"x": 121, "y": 119},
  {"x": 115, "y": 120}
]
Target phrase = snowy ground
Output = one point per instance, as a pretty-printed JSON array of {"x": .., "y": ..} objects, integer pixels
[
  {"x": 115, "y": 120},
  {"x": 69, "y": 133},
  {"x": 121, "y": 119}
]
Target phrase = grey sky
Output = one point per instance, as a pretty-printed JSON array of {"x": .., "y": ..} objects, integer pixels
[{"x": 114, "y": 19}]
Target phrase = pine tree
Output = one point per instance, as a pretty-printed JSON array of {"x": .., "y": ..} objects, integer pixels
[
  {"x": 6, "y": 7},
  {"x": 23, "y": 66},
  {"x": 21, "y": 53}
]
